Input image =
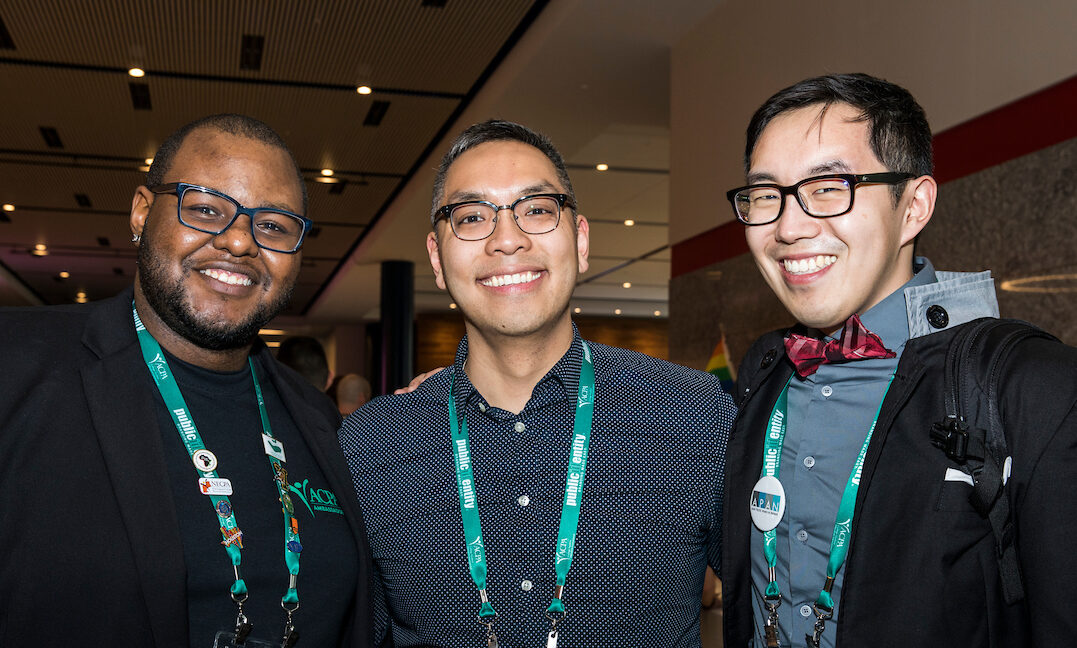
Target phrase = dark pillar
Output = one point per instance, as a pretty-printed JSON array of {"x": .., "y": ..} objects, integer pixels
[{"x": 397, "y": 324}]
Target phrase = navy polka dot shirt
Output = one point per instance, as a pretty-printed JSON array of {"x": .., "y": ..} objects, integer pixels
[{"x": 650, "y": 517}]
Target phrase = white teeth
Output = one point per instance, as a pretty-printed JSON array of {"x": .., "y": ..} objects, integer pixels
[
  {"x": 510, "y": 280},
  {"x": 227, "y": 277},
  {"x": 808, "y": 265}
]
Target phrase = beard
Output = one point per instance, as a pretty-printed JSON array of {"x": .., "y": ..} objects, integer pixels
[{"x": 168, "y": 299}]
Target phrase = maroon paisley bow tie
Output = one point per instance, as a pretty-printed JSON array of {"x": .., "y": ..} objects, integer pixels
[{"x": 856, "y": 343}]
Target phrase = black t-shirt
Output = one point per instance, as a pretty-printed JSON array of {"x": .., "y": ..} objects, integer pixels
[{"x": 225, "y": 409}]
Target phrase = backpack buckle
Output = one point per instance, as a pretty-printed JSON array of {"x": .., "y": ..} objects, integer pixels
[{"x": 952, "y": 436}]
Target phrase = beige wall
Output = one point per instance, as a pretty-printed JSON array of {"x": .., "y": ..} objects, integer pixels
[{"x": 960, "y": 58}]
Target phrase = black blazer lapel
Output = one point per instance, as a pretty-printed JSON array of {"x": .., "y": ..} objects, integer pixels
[
  {"x": 124, "y": 420},
  {"x": 759, "y": 387}
]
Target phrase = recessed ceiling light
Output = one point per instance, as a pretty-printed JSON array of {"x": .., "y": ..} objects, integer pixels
[
  {"x": 452, "y": 305},
  {"x": 364, "y": 90},
  {"x": 629, "y": 222},
  {"x": 8, "y": 207},
  {"x": 138, "y": 73},
  {"x": 273, "y": 344},
  {"x": 81, "y": 294},
  {"x": 149, "y": 161},
  {"x": 266, "y": 331},
  {"x": 81, "y": 300},
  {"x": 616, "y": 311},
  {"x": 144, "y": 169},
  {"x": 327, "y": 172},
  {"x": 658, "y": 313},
  {"x": 627, "y": 284},
  {"x": 65, "y": 274},
  {"x": 602, "y": 166},
  {"x": 576, "y": 310}
]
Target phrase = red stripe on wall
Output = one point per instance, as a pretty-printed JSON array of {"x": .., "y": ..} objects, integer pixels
[{"x": 1024, "y": 126}]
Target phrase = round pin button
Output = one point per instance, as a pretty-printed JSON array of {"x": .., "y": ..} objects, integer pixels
[
  {"x": 204, "y": 460},
  {"x": 767, "y": 503},
  {"x": 294, "y": 546},
  {"x": 224, "y": 509}
]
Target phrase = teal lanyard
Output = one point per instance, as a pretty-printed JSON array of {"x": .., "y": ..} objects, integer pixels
[
  {"x": 570, "y": 507},
  {"x": 222, "y": 506},
  {"x": 843, "y": 524}
]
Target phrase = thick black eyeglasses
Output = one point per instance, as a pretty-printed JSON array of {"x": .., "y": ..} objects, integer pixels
[
  {"x": 475, "y": 220},
  {"x": 210, "y": 211},
  {"x": 819, "y": 196}
]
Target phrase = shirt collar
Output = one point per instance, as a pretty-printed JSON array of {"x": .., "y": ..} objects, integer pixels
[
  {"x": 562, "y": 379},
  {"x": 963, "y": 296},
  {"x": 887, "y": 319}
]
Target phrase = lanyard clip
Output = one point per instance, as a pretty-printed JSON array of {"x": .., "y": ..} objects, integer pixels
[
  {"x": 822, "y": 614},
  {"x": 770, "y": 628}
]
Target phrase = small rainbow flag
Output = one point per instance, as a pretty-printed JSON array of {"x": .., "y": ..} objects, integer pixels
[{"x": 720, "y": 367}]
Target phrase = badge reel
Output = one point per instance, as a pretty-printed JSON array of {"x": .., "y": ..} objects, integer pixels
[{"x": 767, "y": 503}]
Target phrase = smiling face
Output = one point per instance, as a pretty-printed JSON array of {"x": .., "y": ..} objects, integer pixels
[
  {"x": 216, "y": 291},
  {"x": 511, "y": 283},
  {"x": 826, "y": 269}
]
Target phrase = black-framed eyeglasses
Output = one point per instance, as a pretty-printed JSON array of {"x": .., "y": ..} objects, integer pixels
[
  {"x": 819, "y": 196},
  {"x": 475, "y": 220},
  {"x": 210, "y": 211}
]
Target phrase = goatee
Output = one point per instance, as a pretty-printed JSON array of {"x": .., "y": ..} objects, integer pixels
[{"x": 167, "y": 298}]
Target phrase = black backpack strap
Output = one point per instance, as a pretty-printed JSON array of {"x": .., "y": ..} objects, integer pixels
[{"x": 975, "y": 358}]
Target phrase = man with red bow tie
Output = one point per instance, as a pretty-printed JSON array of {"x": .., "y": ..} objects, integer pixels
[{"x": 844, "y": 525}]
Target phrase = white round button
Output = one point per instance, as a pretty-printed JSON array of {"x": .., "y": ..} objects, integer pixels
[
  {"x": 805, "y": 611},
  {"x": 482, "y": 407},
  {"x": 802, "y": 535},
  {"x": 526, "y": 586},
  {"x": 767, "y": 503},
  {"x": 809, "y": 461},
  {"x": 827, "y": 390},
  {"x": 519, "y": 427},
  {"x": 523, "y": 500}
]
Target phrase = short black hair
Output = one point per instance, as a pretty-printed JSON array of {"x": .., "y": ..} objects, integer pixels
[
  {"x": 231, "y": 123},
  {"x": 496, "y": 130},
  {"x": 306, "y": 356},
  {"x": 900, "y": 134}
]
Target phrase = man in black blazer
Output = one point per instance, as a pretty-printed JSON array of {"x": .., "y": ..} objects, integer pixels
[
  {"x": 844, "y": 525},
  {"x": 162, "y": 476}
]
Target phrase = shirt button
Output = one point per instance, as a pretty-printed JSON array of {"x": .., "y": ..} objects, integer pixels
[
  {"x": 526, "y": 586},
  {"x": 523, "y": 500},
  {"x": 805, "y": 611},
  {"x": 519, "y": 427},
  {"x": 827, "y": 390},
  {"x": 802, "y": 535},
  {"x": 809, "y": 461},
  {"x": 482, "y": 407}
]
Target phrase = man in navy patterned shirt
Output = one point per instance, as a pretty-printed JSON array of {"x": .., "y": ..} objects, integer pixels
[{"x": 482, "y": 527}]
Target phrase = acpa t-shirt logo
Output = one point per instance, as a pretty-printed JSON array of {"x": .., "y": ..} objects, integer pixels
[{"x": 316, "y": 499}]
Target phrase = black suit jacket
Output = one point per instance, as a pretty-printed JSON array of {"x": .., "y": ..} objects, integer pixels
[
  {"x": 90, "y": 548},
  {"x": 921, "y": 568}
]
